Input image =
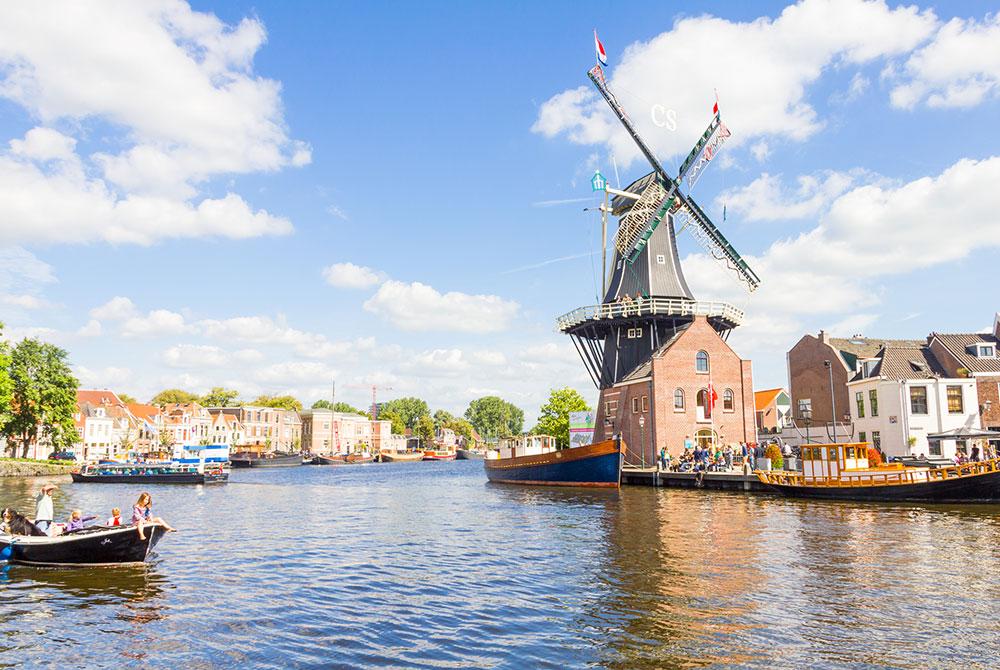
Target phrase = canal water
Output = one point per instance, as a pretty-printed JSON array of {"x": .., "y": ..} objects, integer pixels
[{"x": 425, "y": 565}]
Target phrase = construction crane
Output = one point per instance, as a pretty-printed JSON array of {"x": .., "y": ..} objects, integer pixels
[{"x": 375, "y": 388}]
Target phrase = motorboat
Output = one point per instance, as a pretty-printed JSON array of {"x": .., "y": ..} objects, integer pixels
[
  {"x": 88, "y": 547},
  {"x": 277, "y": 459}
]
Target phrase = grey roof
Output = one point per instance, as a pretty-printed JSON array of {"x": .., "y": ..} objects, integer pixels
[
  {"x": 868, "y": 347},
  {"x": 957, "y": 344},
  {"x": 965, "y": 434},
  {"x": 899, "y": 363}
]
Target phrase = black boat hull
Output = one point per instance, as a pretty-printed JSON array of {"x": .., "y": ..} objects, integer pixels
[
  {"x": 283, "y": 461},
  {"x": 469, "y": 455},
  {"x": 984, "y": 488},
  {"x": 96, "y": 546},
  {"x": 162, "y": 478}
]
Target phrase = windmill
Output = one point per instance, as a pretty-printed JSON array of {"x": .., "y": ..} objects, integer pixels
[{"x": 647, "y": 301}]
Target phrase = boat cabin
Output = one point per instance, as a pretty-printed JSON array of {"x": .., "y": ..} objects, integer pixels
[
  {"x": 830, "y": 460},
  {"x": 526, "y": 445}
]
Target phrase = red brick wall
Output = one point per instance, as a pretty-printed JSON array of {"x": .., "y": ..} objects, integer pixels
[
  {"x": 989, "y": 389},
  {"x": 809, "y": 378},
  {"x": 676, "y": 369}
]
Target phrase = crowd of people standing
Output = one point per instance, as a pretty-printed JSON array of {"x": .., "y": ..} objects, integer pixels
[{"x": 717, "y": 457}]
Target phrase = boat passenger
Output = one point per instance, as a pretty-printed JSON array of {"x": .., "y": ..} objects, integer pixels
[
  {"x": 142, "y": 514},
  {"x": 116, "y": 518},
  {"x": 43, "y": 507},
  {"x": 77, "y": 521}
]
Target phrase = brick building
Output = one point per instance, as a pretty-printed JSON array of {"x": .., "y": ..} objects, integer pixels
[
  {"x": 667, "y": 398},
  {"x": 809, "y": 378},
  {"x": 773, "y": 408}
]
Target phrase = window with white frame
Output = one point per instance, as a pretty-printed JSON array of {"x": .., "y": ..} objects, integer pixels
[
  {"x": 678, "y": 400},
  {"x": 728, "y": 401},
  {"x": 701, "y": 362},
  {"x": 633, "y": 333}
]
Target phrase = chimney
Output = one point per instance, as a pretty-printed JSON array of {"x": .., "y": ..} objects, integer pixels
[
  {"x": 996, "y": 325},
  {"x": 823, "y": 337}
]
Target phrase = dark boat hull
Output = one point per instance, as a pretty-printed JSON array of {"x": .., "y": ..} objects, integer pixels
[
  {"x": 401, "y": 456},
  {"x": 162, "y": 478},
  {"x": 343, "y": 459},
  {"x": 90, "y": 547},
  {"x": 468, "y": 455},
  {"x": 282, "y": 461},
  {"x": 984, "y": 488},
  {"x": 597, "y": 465}
]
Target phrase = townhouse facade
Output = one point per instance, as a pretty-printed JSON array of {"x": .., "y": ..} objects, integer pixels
[
  {"x": 327, "y": 432},
  {"x": 266, "y": 428}
]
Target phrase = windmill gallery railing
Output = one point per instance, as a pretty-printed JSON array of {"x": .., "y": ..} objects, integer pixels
[{"x": 649, "y": 307}]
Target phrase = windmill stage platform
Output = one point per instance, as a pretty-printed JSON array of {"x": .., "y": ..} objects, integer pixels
[{"x": 721, "y": 315}]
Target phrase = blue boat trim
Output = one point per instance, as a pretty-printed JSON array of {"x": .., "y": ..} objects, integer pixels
[{"x": 596, "y": 464}]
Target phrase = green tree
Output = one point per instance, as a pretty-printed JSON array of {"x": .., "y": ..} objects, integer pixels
[
  {"x": 398, "y": 426},
  {"x": 338, "y": 407},
  {"x": 442, "y": 418},
  {"x": 553, "y": 417},
  {"x": 43, "y": 397},
  {"x": 424, "y": 429},
  {"x": 220, "y": 397},
  {"x": 173, "y": 396},
  {"x": 279, "y": 402},
  {"x": 462, "y": 428},
  {"x": 495, "y": 417},
  {"x": 127, "y": 399},
  {"x": 5, "y": 384},
  {"x": 409, "y": 409},
  {"x": 322, "y": 404}
]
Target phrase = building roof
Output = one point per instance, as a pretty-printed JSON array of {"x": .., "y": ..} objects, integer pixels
[
  {"x": 646, "y": 368},
  {"x": 958, "y": 343},
  {"x": 97, "y": 397},
  {"x": 761, "y": 399},
  {"x": 899, "y": 363},
  {"x": 147, "y": 412},
  {"x": 869, "y": 347}
]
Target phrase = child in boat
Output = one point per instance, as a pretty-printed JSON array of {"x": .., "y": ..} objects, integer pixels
[
  {"x": 116, "y": 518},
  {"x": 141, "y": 514},
  {"x": 77, "y": 521}
]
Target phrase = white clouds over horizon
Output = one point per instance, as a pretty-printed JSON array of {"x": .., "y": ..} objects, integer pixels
[
  {"x": 419, "y": 307},
  {"x": 349, "y": 275}
]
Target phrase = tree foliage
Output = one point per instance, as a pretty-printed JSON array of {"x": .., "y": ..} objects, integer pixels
[
  {"x": 409, "y": 410},
  {"x": 220, "y": 397},
  {"x": 278, "y": 402},
  {"x": 442, "y": 418},
  {"x": 43, "y": 397},
  {"x": 424, "y": 429},
  {"x": 398, "y": 425},
  {"x": 127, "y": 399},
  {"x": 5, "y": 384},
  {"x": 553, "y": 416},
  {"x": 170, "y": 396},
  {"x": 495, "y": 417},
  {"x": 463, "y": 429}
]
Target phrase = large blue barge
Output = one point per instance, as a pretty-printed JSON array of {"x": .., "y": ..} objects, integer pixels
[{"x": 597, "y": 464}]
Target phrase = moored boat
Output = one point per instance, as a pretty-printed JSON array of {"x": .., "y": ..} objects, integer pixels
[
  {"x": 842, "y": 472},
  {"x": 389, "y": 456},
  {"x": 438, "y": 455},
  {"x": 142, "y": 473},
  {"x": 469, "y": 454},
  {"x": 535, "y": 460},
  {"x": 276, "y": 459},
  {"x": 344, "y": 459},
  {"x": 93, "y": 546}
]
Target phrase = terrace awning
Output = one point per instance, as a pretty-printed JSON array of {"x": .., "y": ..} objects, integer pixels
[{"x": 966, "y": 434}]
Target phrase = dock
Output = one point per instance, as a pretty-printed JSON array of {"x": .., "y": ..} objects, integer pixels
[{"x": 715, "y": 481}]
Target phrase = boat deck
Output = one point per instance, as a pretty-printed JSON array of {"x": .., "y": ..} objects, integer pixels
[{"x": 715, "y": 481}]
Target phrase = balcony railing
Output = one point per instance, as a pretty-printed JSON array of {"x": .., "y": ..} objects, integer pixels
[{"x": 650, "y": 307}]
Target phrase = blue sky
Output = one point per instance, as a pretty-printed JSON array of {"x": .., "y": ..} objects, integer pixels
[{"x": 185, "y": 185}]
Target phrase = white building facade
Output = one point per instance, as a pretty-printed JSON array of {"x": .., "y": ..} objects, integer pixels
[{"x": 900, "y": 397}]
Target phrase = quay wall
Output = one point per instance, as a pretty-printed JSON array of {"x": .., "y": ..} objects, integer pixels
[{"x": 13, "y": 468}]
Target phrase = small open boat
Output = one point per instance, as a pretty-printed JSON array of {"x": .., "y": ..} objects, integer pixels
[
  {"x": 276, "y": 459},
  {"x": 842, "y": 472},
  {"x": 93, "y": 546},
  {"x": 535, "y": 460},
  {"x": 344, "y": 459},
  {"x": 439, "y": 455},
  {"x": 389, "y": 456}
]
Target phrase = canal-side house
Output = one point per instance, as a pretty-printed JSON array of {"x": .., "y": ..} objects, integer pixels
[
  {"x": 226, "y": 430},
  {"x": 903, "y": 394},
  {"x": 327, "y": 432},
  {"x": 186, "y": 424},
  {"x": 106, "y": 427},
  {"x": 975, "y": 355},
  {"x": 816, "y": 389},
  {"x": 773, "y": 409},
  {"x": 266, "y": 428},
  {"x": 149, "y": 424}
]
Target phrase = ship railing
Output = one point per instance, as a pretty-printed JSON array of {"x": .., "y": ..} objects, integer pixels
[
  {"x": 882, "y": 478},
  {"x": 650, "y": 307}
]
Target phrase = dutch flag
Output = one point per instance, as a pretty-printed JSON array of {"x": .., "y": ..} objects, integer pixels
[{"x": 602, "y": 55}]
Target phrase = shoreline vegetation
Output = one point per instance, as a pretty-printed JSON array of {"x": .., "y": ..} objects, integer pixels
[{"x": 26, "y": 467}]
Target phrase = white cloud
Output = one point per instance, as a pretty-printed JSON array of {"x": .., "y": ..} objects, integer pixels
[
  {"x": 333, "y": 210},
  {"x": 182, "y": 107},
  {"x": 264, "y": 330},
  {"x": 349, "y": 275},
  {"x": 22, "y": 276},
  {"x": 90, "y": 329},
  {"x": 103, "y": 378},
  {"x": 157, "y": 323},
  {"x": 195, "y": 356},
  {"x": 760, "y": 151},
  {"x": 960, "y": 67},
  {"x": 294, "y": 372},
  {"x": 762, "y": 74},
  {"x": 23, "y": 301},
  {"x": 419, "y": 307},
  {"x": 118, "y": 308},
  {"x": 767, "y": 199}
]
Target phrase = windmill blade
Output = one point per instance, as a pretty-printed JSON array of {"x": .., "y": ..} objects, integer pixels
[{"x": 708, "y": 235}]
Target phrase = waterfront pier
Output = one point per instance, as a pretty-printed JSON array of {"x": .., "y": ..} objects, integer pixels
[{"x": 713, "y": 481}]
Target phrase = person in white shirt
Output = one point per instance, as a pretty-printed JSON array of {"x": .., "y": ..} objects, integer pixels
[{"x": 43, "y": 507}]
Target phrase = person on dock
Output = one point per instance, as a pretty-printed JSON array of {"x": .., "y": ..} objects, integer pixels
[
  {"x": 663, "y": 459},
  {"x": 43, "y": 507},
  {"x": 142, "y": 514}
]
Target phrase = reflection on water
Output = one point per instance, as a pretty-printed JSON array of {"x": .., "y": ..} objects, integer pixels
[{"x": 427, "y": 565}]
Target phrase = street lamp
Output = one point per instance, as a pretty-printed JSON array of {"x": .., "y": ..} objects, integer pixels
[
  {"x": 642, "y": 438},
  {"x": 833, "y": 401}
]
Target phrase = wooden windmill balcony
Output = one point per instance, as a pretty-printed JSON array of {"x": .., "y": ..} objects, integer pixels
[{"x": 721, "y": 313}]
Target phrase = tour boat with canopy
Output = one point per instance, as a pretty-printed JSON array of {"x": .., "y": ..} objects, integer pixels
[
  {"x": 191, "y": 464},
  {"x": 843, "y": 472}
]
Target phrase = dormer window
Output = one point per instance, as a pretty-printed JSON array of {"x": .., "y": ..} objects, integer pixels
[
  {"x": 868, "y": 367},
  {"x": 918, "y": 366},
  {"x": 985, "y": 351}
]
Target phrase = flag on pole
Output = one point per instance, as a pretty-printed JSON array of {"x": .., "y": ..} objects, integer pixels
[
  {"x": 712, "y": 397},
  {"x": 602, "y": 56},
  {"x": 715, "y": 107}
]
